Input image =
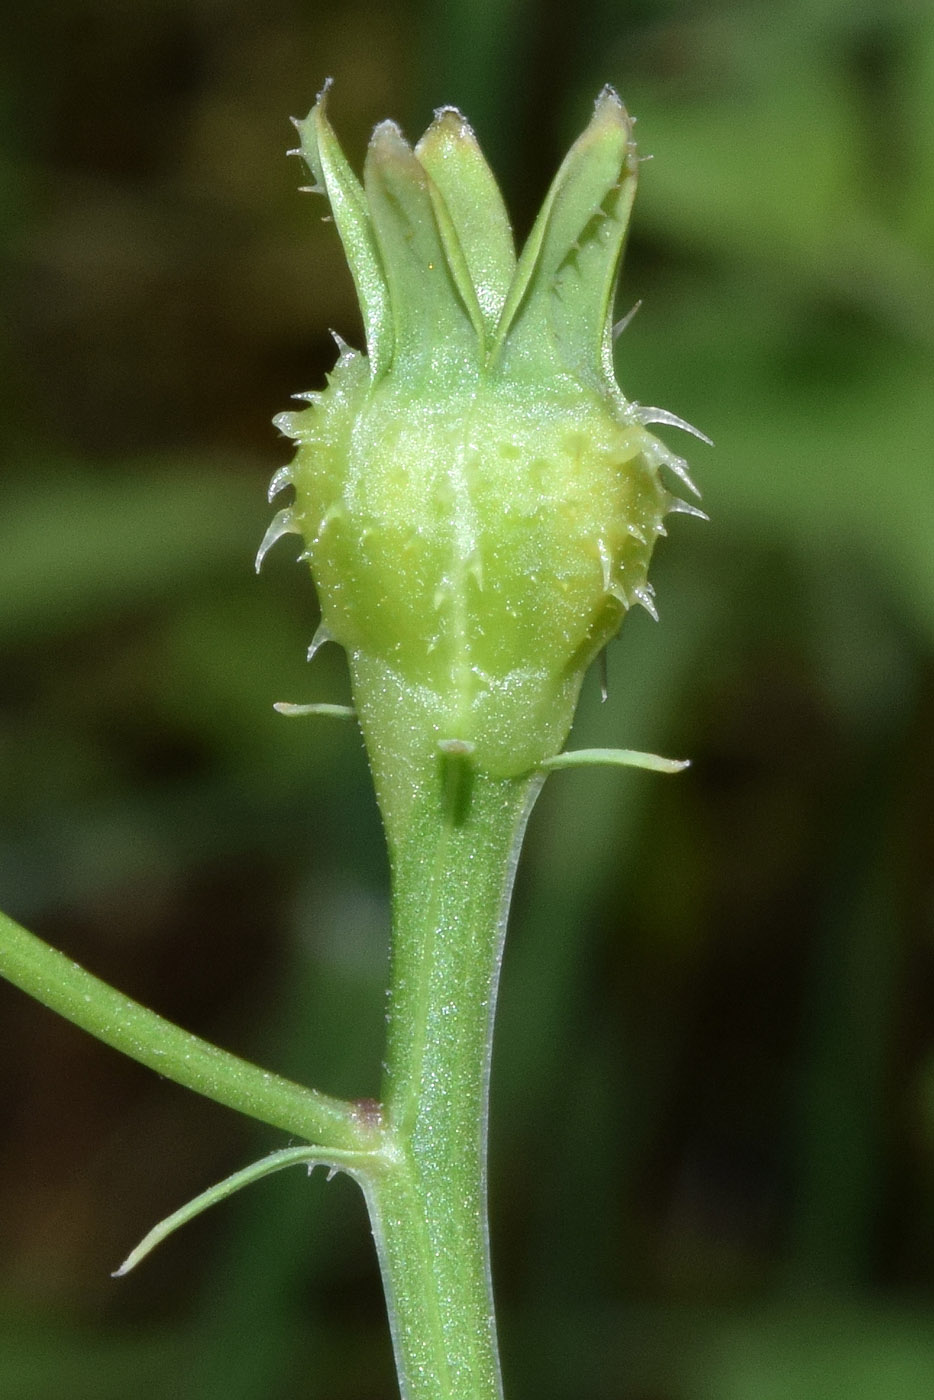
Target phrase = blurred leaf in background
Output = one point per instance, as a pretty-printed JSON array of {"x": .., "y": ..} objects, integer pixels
[{"x": 729, "y": 976}]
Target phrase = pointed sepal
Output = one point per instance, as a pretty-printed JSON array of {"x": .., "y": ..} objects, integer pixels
[
  {"x": 435, "y": 314},
  {"x": 461, "y": 178},
  {"x": 332, "y": 173},
  {"x": 558, "y": 314}
]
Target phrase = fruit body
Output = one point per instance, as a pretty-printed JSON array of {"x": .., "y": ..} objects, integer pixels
[{"x": 478, "y": 500}]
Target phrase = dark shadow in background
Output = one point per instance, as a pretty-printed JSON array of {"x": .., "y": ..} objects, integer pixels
[{"x": 714, "y": 1091}]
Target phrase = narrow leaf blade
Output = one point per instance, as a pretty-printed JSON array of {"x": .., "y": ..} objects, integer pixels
[
  {"x": 308, "y": 1156},
  {"x": 615, "y": 758},
  {"x": 219, "y": 1192}
]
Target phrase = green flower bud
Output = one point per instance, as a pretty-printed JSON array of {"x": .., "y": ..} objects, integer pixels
[{"x": 478, "y": 500}]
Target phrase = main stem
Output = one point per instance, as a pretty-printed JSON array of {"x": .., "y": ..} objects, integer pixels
[{"x": 453, "y": 868}]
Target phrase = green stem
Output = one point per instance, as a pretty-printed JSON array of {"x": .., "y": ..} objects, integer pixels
[
  {"x": 119, "y": 1021},
  {"x": 452, "y": 877}
]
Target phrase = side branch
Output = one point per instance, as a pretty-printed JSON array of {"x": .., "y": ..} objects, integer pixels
[{"x": 124, "y": 1024}]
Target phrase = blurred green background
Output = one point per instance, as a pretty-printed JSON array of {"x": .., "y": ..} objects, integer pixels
[{"x": 726, "y": 980}]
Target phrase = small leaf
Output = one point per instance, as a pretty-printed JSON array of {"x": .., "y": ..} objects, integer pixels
[
  {"x": 276, "y": 1161},
  {"x": 436, "y": 317},
  {"x": 329, "y": 166},
  {"x": 615, "y": 758},
  {"x": 560, "y": 304},
  {"x": 285, "y": 707},
  {"x": 461, "y": 177}
]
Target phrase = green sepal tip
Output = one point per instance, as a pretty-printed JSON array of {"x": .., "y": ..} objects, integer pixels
[
  {"x": 334, "y": 177},
  {"x": 435, "y": 313},
  {"x": 465, "y": 188},
  {"x": 558, "y": 313}
]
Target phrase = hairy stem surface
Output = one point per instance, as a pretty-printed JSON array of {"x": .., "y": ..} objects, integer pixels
[{"x": 452, "y": 878}]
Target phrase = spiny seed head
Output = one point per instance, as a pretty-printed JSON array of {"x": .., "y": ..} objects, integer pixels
[{"x": 478, "y": 500}]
